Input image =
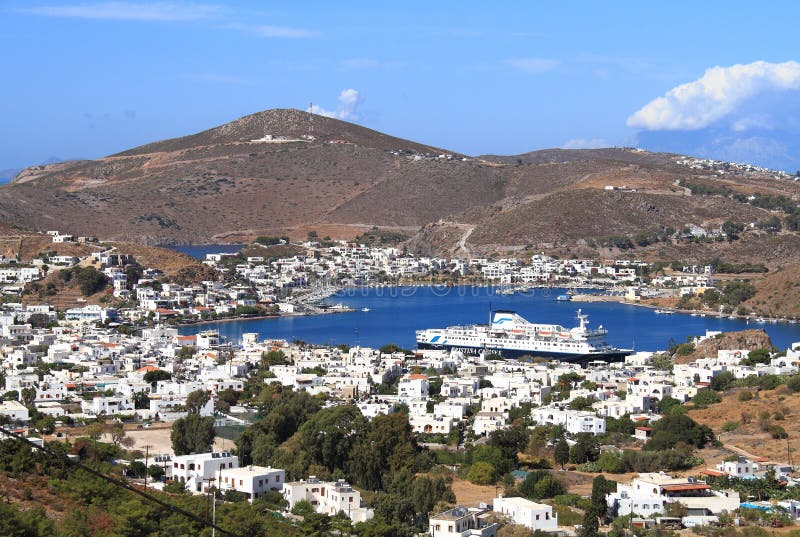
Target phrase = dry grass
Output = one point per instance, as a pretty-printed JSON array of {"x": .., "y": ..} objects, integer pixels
[
  {"x": 749, "y": 438},
  {"x": 470, "y": 494}
]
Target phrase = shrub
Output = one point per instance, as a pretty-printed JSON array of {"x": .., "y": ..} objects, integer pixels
[
  {"x": 793, "y": 383},
  {"x": 611, "y": 463},
  {"x": 777, "y": 432},
  {"x": 730, "y": 426},
  {"x": 705, "y": 397},
  {"x": 745, "y": 395}
]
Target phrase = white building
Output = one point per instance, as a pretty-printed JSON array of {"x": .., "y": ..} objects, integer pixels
[
  {"x": 650, "y": 493},
  {"x": 107, "y": 405},
  {"x": 15, "y": 411},
  {"x": 574, "y": 421},
  {"x": 195, "y": 471},
  {"x": 328, "y": 498},
  {"x": 252, "y": 481},
  {"x": 532, "y": 515},
  {"x": 742, "y": 468},
  {"x": 462, "y": 522}
]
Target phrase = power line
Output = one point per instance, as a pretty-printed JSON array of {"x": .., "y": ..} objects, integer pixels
[{"x": 118, "y": 483}]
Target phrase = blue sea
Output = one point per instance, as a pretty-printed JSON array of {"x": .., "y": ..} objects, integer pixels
[
  {"x": 396, "y": 312},
  {"x": 199, "y": 251}
]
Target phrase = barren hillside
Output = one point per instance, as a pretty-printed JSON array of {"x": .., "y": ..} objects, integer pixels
[{"x": 322, "y": 174}]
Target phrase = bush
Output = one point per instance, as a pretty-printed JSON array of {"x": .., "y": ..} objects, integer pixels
[
  {"x": 705, "y": 397},
  {"x": 793, "y": 383},
  {"x": 540, "y": 484},
  {"x": 745, "y": 396},
  {"x": 730, "y": 426},
  {"x": 611, "y": 463},
  {"x": 777, "y": 432}
]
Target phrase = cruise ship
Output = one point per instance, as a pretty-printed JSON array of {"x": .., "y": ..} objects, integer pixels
[{"x": 512, "y": 336}]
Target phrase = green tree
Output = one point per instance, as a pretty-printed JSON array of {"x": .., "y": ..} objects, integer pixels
[
  {"x": 585, "y": 449},
  {"x": 141, "y": 400},
  {"x": 196, "y": 400},
  {"x": 758, "y": 356},
  {"x": 561, "y": 453},
  {"x": 156, "y": 375},
  {"x": 722, "y": 381},
  {"x": 192, "y": 434},
  {"x": 481, "y": 473},
  {"x": 674, "y": 429},
  {"x": 705, "y": 397}
]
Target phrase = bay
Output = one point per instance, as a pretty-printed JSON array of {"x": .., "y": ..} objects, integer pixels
[
  {"x": 199, "y": 251},
  {"x": 396, "y": 312}
]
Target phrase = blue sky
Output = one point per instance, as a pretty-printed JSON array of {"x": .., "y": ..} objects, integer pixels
[{"x": 87, "y": 79}]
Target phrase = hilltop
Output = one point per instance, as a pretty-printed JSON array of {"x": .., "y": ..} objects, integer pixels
[{"x": 232, "y": 183}]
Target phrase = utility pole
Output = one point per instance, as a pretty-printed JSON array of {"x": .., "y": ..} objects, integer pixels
[{"x": 146, "y": 457}]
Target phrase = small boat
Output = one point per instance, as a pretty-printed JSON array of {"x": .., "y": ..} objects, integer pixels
[
  {"x": 564, "y": 298},
  {"x": 365, "y": 310},
  {"x": 664, "y": 312}
]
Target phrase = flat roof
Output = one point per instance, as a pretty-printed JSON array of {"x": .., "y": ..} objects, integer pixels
[
  {"x": 686, "y": 486},
  {"x": 523, "y": 502}
]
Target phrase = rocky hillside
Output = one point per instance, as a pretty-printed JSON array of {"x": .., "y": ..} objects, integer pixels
[
  {"x": 322, "y": 174},
  {"x": 743, "y": 340}
]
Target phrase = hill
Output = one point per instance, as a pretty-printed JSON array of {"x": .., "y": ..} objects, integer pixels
[
  {"x": 743, "y": 340},
  {"x": 749, "y": 421},
  {"x": 232, "y": 183}
]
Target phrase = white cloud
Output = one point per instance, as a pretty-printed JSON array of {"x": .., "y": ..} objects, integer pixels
[
  {"x": 719, "y": 93},
  {"x": 349, "y": 100},
  {"x": 533, "y": 65},
  {"x": 269, "y": 31},
  {"x": 157, "y": 11},
  {"x": 581, "y": 143}
]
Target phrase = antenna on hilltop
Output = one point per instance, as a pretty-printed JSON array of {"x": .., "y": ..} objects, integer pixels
[{"x": 310, "y": 117}]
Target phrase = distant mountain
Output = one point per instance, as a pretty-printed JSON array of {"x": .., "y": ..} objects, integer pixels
[
  {"x": 288, "y": 172},
  {"x": 9, "y": 174},
  {"x": 778, "y": 150}
]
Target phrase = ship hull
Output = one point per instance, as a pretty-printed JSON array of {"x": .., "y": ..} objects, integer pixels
[{"x": 617, "y": 355}]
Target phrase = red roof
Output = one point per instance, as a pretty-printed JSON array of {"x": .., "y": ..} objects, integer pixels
[
  {"x": 643, "y": 428},
  {"x": 417, "y": 376},
  {"x": 715, "y": 473},
  {"x": 186, "y": 338},
  {"x": 146, "y": 369}
]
